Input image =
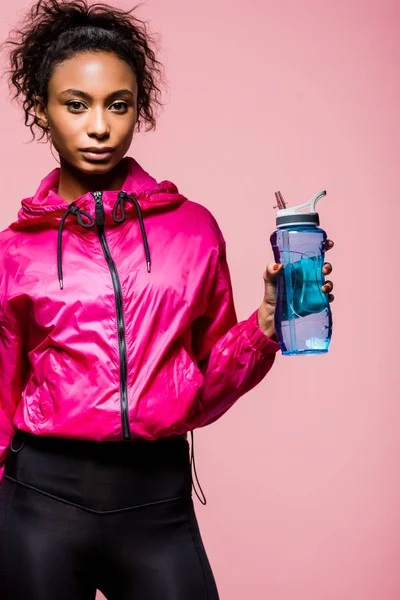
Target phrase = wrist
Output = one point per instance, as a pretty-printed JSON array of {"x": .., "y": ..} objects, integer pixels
[{"x": 266, "y": 320}]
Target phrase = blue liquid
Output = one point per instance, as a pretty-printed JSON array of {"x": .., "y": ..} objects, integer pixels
[{"x": 305, "y": 281}]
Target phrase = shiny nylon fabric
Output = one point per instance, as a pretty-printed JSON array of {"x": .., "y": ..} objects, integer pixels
[{"x": 188, "y": 358}]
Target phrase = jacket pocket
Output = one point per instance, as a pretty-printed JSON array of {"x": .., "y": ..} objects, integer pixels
[{"x": 42, "y": 387}]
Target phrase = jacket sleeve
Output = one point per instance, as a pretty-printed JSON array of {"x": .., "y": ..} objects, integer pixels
[
  {"x": 13, "y": 371},
  {"x": 233, "y": 357}
]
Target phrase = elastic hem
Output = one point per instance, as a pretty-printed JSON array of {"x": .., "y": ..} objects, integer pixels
[{"x": 257, "y": 338}]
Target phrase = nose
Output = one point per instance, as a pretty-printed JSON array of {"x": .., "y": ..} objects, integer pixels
[{"x": 98, "y": 122}]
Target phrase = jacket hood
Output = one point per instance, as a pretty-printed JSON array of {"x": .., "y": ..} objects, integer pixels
[
  {"x": 139, "y": 193},
  {"x": 46, "y": 207}
]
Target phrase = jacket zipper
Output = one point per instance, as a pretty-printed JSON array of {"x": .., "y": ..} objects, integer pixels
[{"x": 120, "y": 316}]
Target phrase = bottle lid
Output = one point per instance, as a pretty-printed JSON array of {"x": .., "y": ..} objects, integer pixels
[{"x": 291, "y": 216}]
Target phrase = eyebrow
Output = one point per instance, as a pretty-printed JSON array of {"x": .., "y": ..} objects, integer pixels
[{"x": 117, "y": 94}]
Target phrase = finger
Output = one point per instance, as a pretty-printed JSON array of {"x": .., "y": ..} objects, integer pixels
[
  {"x": 327, "y": 268},
  {"x": 327, "y": 287},
  {"x": 329, "y": 244},
  {"x": 331, "y": 297}
]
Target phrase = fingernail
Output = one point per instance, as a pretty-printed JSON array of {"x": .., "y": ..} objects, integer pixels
[{"x": 276, "y": 267}]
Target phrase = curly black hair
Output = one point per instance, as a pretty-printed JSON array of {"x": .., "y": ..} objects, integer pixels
[{"x": 54, "y": 31}]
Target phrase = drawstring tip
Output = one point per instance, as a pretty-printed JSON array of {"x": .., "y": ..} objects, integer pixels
[
  {"x": 201, "y": 498},
  {"x": 61, "y": 284},
  {"x": 148, "y": 266}
]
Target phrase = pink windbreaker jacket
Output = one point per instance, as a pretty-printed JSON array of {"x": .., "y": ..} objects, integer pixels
[{"x": 117, "y": 318}]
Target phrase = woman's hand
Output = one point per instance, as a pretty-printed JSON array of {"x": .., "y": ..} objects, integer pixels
[{"x": 266, "y": 312}]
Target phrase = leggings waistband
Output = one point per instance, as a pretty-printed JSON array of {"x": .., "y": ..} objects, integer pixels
[{"x": 106, "y": 476}]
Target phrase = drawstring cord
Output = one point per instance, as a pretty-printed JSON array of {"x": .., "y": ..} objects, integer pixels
[
  {"x": 77, "y": 212},
  {"x": 122, "y": 196},
  {"x": 193, "y": 469}
]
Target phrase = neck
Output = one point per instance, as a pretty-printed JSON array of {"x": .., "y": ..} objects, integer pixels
[{"x": 74, "y": 183}]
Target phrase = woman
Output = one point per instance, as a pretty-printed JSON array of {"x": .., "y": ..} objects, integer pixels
[{"x": 118, "y": 332}]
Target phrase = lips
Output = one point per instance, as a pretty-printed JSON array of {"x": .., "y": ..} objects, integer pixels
[
  {"x": 97, "y": 155},
  {"x": 98, "y": 150}
]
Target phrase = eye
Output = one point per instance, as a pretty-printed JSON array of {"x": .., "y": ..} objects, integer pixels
[
  {"x": 122, "y": 104},
  {"x": 71, "y": 103}
]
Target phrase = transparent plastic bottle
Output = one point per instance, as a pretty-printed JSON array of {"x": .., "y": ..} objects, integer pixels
[{"x": 303, "y": 317}]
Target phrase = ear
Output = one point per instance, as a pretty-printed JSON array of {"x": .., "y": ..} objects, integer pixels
[{"x": 40, "y": 111}]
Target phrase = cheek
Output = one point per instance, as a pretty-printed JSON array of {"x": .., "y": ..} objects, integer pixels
[
  {"x": 127, "y": 134},
  {"x": 65, "y": 129}
]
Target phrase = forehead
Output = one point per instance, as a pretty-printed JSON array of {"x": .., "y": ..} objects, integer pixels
[{"x": 93, "y": 72}]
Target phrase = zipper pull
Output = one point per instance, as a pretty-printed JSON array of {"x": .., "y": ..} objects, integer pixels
[
  {"x": 99, "y": 208},
  {"x": 97, "y": 196}
]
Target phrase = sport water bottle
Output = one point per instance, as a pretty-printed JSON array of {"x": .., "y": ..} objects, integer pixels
[{"x": 303, "y": 317}]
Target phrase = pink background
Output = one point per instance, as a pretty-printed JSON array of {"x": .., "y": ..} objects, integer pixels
[{"x": 302, "y": 475}]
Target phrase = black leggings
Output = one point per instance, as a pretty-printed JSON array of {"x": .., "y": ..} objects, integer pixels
[{"x": 76, "y": 516}]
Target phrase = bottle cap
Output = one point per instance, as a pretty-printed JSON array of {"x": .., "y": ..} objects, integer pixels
[{"x": 291, "y": 216}]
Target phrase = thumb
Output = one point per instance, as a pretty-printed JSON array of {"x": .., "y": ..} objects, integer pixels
[
  {"x": 270, "y": 275},
  {"x": 271, "y": 272}
]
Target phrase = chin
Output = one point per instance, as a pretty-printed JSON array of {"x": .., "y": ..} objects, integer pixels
[{"x": 101, "y": 166}]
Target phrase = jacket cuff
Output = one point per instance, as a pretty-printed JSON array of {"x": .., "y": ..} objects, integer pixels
[{"x": 256, "y": 337}]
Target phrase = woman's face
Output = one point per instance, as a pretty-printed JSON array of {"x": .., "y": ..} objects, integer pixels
[{"x": 95, "y": 119}]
